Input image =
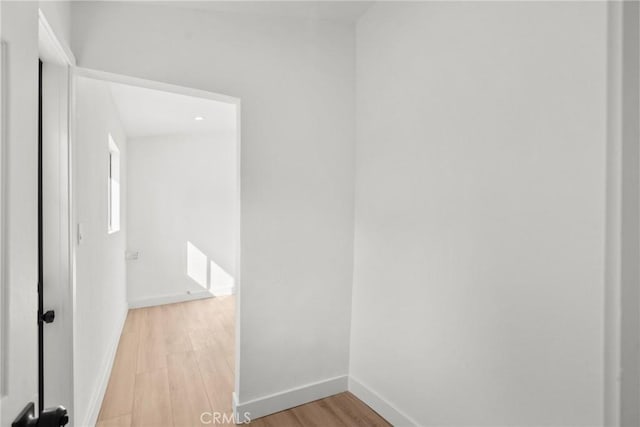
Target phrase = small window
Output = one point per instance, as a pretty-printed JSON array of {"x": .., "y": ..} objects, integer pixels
[{"x": 114, "y": 187}]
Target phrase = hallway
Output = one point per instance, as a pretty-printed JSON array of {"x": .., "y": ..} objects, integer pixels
[{"x": 416, "y": 213}]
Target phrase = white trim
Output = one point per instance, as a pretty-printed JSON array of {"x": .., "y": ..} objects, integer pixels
[
  {"x": 95, "y": 403},
  {"x": 290, "y": 398},
  {"x": 4, "y": 319},
  {"x": 2, "y": 215},
  {"x": 613, "y": 241},
  {"x": 379, "y": 404},
  {"x": 73, "y": 229},
  {"x": 223, "y": 291},
  {"x": 238, "y": 231},
  {"x": 234, "y": 405},
  {"x": 51, "y": 49},
  {"x": 152, "y": 84},
  {"x": 169, "y": 299}
]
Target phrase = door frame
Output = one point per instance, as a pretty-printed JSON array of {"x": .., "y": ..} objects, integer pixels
[
  {"x": 52, "y": 52},
  {"x": 81, "y": 72},
  {"x": 3, "y": 323}
]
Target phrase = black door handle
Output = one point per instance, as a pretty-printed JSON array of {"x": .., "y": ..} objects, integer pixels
[{"x": 49, "y": 316}]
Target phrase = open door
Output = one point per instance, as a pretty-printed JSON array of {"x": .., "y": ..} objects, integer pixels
[
  {"x": 55, "y": 247},
  {"x": 32, "y": 214},
  {"x": 55, "y": 303},
  {"x": 57, "y": 291},
  {"x": 49, "y": 262}
]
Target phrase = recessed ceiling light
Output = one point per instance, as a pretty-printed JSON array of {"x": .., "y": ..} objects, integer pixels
[{"x": 198, "y": 118}]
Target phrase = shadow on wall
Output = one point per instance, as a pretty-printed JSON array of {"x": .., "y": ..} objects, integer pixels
[{"x": 207, "y": 273}]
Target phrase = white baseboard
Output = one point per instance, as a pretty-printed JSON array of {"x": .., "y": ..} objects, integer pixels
[
  {"x": 169, "y": 299},
  {"x": 288, "y": 399},
  {"x": 379, "y": 404},
  {"x": 227, "y": 290},
  {"x": 98, "y": 395},
  {"x": 299, "y": 396}
]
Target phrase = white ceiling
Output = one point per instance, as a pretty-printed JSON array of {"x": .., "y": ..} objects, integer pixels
[
  {"x": 147, "y": 112},
  {"x": 335, "y": 10}
]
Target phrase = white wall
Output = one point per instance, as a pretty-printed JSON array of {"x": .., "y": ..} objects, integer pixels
[
  {"x": 479, "y": 250},
  {"x": 296, "y": 82},
  {"x": 19, "y": 32},
  {"x": 101, "y": 298},
  {"x": 181, "y": 190}
]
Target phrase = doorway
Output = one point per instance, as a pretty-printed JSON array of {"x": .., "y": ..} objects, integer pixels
[
  {"x": 55, "y": 286},
  {"x": 157, "y": 212}
]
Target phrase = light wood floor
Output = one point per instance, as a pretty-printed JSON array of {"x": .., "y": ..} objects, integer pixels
[
  {"x": 341, "y": 410},
  {"x": 176, "y": 361}
]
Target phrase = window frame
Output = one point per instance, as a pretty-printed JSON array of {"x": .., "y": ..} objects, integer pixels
[{"x": 113, "y": 191}]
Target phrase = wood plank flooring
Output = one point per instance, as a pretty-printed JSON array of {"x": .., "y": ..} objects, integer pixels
[
  {"x": 176, "y": 361},
  {"x": 173, "y": 362},
  {"x": 341, "y": 410}
]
